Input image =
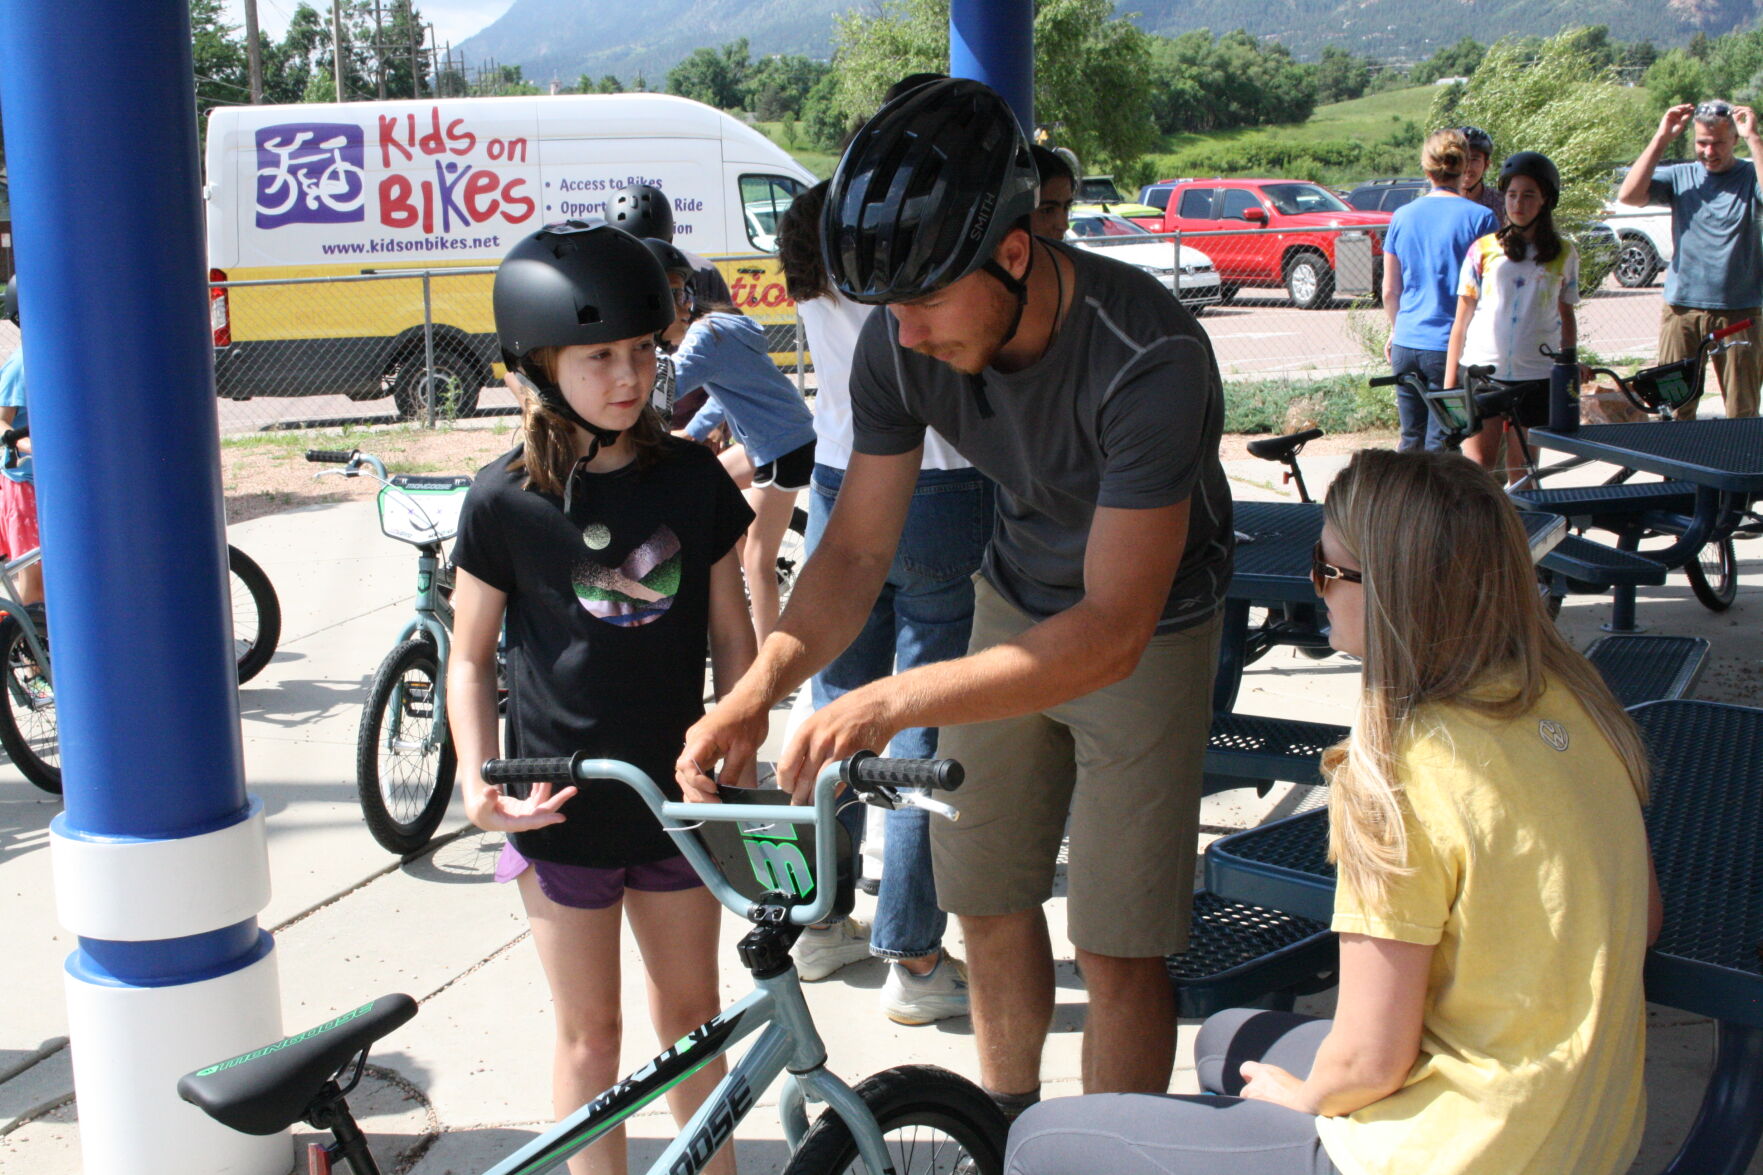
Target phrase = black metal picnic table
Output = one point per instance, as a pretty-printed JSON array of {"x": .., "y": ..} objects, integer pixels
[
  {"x": 1723, "y": 459},
  {"x": 1705, "y": 823},
  {"x": 1273, "y": 568}
]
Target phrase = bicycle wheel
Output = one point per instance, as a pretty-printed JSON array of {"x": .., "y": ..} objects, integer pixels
[
  {"x": 932, "y": 1121},
  {"x": 403, "y": 764},
  {"x": 257, "y": 614},
  {"x": 1714, "y": 575},
  {"x": 28, "y": 727}
]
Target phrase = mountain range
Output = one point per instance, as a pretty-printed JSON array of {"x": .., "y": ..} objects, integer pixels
[{"x": 565, "y": 38}]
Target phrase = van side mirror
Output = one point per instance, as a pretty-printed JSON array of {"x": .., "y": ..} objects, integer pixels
[{"x": 1255, "y": 215}]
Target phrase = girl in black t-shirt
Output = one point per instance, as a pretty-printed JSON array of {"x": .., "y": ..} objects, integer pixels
[{"x": 604, "y": 548}]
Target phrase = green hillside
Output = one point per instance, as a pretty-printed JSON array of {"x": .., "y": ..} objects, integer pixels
[{"x": 1348, "y": 141}]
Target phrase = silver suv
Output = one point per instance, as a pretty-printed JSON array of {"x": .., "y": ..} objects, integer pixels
[{"x": 1643, "y": 238}]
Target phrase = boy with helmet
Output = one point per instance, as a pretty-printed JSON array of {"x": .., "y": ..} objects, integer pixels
[
  {"x": 1475, "y": 168},
  {"x": 1092, "y": 399},
  {"x": 577, "y": 541},
  {"x": 643, "y": 210}
]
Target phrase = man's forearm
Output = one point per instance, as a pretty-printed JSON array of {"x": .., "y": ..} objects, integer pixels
[{"x": 1639, "y": 180}]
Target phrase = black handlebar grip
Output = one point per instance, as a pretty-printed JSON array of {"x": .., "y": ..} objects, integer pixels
[
  {"x": 557, "y": 770},
  {"x": 330, "y": 456},
  {"x": 866, "y": 767},
  {"x": 1383, "y": 381}
]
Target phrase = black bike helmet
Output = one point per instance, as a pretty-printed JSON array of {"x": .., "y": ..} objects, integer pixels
[
  {"x": 642, "y": 211},
  {"x": 11, "y": 307},
  {"x": 926, "y": 191},
  {"x": 1478, "y": 140},
  {"x": 572, "y": 284},
  {"x": 1538, "y": 167},
  {"x": 672, "y": 260}
]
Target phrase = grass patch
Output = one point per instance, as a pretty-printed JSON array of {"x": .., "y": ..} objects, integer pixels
[
  {"x": 821, "y": 163},
  {"x": 1336, "y": 403}
]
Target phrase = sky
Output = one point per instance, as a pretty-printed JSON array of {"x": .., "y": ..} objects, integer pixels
[{"x": 454, "y": 20}]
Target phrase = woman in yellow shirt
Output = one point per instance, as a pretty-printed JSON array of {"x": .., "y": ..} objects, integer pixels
[{"x": 1495, "y": 895}]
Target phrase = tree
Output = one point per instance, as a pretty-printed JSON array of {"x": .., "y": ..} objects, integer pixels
[
  {"x": 501, "y": 80},
  {"x": 1676, "y": 77},
  {"x": 1340, "y": 76},
  {"x": 1093, "y": 72},
  {"x": 222, "y": 75},
  {"x": 714, "y": 77},
  {"x": 787, "y": 79},
  {"x": 1561, "y": 98},
  {"x": 1237, "y": 80},
  {"x": 1460, "y": 60}
]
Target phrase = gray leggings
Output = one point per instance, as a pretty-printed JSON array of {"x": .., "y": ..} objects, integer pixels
[{"x": 1153, "y": 1134}]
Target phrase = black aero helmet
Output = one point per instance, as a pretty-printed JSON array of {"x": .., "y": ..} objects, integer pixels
[
  {"x": 573, "y": 284},
  {"x": 641, "y": 210},
  {"x": 925, "y": 193},
  {"x": 672, "y": 260},
  {"x": 1478, "y": 140},
  {"x": 1538, "y": 167},
  {"x": 11, "y": 306}
]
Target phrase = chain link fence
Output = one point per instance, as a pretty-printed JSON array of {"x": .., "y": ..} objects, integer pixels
[
  {"x": 406, "y": 345},
  {"x": 1287, "y": 308}
]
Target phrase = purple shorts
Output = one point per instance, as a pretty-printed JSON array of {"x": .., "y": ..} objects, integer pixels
[{"x": 583, "y": 887}]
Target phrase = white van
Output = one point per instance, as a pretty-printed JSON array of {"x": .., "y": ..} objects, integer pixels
[{"x": 346, "y": 189}]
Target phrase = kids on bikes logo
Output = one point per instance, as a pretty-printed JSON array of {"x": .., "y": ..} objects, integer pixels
[{"x": 311, "y": 173}]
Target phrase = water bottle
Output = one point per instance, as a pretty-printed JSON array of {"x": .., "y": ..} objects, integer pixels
[{"x": 1564, "y": 391}]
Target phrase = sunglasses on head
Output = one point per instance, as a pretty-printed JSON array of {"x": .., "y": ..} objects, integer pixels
[
  {"x": 1321, "y": 571},
  {"x": 1714, "y": 109}
]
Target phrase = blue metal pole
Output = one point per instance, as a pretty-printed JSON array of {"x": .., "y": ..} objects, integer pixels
[
  {"x": 159, "y": 855},
  {"x": 993, "y": 41}
]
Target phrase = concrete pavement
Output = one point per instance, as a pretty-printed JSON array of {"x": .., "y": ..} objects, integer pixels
[{"x": 468, "y": 1079}]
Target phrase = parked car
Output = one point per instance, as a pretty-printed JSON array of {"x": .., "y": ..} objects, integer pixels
[
  {"x": 1263, "y": 249},
  {"x": 1184, "y": 271},
  {"x": 1097, "y": 193},
  {"x": 1643, "y": 237},
  {"x": 1386, "y": 195}
]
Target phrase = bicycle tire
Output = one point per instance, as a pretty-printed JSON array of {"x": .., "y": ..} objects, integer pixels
[
  {"x": 908, "y": 1101},
  {"x": 29, "y": 730},
  {"x": 792, "y": 552},
  {"x": 257, "y": 629},
  {"x": 1714, "y": 575},
  {"x": 404, "y": 792}
]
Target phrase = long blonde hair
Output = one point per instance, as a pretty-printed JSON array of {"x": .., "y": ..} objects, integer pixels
[
  {"x": 1451, "y": 604},
  {"x": 548, "y": 442}
]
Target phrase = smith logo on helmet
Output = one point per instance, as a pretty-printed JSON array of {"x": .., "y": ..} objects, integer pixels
[{"x": 983, "y": 217}]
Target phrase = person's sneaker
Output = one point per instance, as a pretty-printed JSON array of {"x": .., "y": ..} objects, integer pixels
[
  {"x": 819, "y": 953},
  {"x": 914, "y": 999}
]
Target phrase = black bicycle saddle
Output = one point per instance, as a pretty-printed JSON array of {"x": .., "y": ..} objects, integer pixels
[
  {"x": 267, "y": 1090},
  {"x": 1282, "y": 448}
]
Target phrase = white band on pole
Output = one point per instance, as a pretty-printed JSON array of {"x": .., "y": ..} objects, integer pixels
[{"x": 143, "y": 890}]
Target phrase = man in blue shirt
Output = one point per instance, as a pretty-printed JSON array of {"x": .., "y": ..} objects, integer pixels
[{"x": 1716, "y": 274}]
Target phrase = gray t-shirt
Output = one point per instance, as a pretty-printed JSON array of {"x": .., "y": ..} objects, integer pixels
[
  {"x": 1124, "y": 410},
  {"x": 1717, "y": 260}
]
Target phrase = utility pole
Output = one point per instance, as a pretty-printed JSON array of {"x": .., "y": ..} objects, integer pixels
[
  {"x": 337, "y": 69},
  {"x": 415, "y": 73},
  {"x": 379, "y": 49},
  {"x": 253, "y": 52}
]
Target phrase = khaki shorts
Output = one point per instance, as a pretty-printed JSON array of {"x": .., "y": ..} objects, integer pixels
[
  {"x": 1123, "y": 764},
  {"x": 1739, "y": 370}
]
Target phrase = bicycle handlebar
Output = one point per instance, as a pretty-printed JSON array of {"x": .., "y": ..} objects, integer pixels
[
  {"x": 1735, "y": 328},
  {"x": 351, "y": 460},
  {"x": 1383, "y": 381},
  {"x": 871, "y": 776},
  {"x": 330, "y": 456}
]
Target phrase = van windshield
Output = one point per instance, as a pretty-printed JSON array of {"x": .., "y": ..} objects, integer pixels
[{"x": 1297, "y": 199}]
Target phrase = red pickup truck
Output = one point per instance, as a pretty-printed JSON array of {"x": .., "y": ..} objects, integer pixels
[{"x": 1262, "y": 250}]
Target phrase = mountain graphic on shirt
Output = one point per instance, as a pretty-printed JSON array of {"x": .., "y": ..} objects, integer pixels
[{"x": 639, "y": 590}]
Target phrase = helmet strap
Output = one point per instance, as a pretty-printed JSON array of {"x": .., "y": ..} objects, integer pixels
[
  {"x": 1016, "y": 285},
  {"x": 599, "y": 438}
]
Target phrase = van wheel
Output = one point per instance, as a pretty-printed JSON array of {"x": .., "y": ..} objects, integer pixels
[
  {"x": 1309, "y": 281},
  {"x": 1637, "y": 264},
  {"x": 458, "y": 378}
]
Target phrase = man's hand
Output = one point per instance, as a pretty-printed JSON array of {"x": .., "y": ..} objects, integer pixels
[
  {"x": 1745, "y": 119},
  {"x": 730, "y": 734},
  {"x": 1676, "y": 120},
  {"x": 1270, "y": 1083},
  {"x": 862, "y": 720}
]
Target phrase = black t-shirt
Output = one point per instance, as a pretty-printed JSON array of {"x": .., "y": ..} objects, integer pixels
[{"x": 607, "y": 627}]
